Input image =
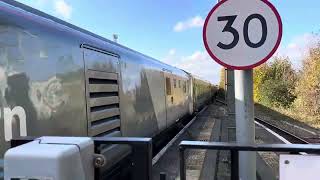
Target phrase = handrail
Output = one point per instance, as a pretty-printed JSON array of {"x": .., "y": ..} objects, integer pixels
[{"x": 234, "y": 148}]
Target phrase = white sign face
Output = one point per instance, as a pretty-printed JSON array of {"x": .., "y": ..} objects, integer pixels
[
  {"x": 242, "y": 34},
  {"x": 297, "y": 167}
]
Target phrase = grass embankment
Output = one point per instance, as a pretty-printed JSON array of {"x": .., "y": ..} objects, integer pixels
[{"x": 289, "y": 115}]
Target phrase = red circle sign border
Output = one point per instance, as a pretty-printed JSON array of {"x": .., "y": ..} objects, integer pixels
[{"x": 204, "y": 32}]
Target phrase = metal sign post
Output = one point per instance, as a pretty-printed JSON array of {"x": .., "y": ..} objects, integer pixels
[
  {"x": 245, "y": 127},
  {"x": 241, "y": 35}
]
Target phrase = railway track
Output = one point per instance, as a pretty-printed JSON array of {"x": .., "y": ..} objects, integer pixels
[{"x": 285, "y": 134}]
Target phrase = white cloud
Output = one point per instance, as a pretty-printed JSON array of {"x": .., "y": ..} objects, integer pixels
[
  {"x": 199, "y": 63},
  {"x": 63, "y": 9},
  {"x": 54, "y": 7},
  {"x": 194, "y": 22},
  {"x": 298, "y": 48}
]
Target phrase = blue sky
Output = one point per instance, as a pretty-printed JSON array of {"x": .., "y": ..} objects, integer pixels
[{"x": 171, "y": 30}]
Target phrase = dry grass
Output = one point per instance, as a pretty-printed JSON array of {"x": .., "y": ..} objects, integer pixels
[
  {"x": 313, "y": 121},
  {"x": 289, "y": 115}
]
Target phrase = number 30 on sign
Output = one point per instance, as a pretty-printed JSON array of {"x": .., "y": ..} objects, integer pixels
[{"x": 242, "y": 34}]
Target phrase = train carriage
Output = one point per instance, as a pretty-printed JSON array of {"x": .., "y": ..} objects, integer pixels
[
  {"x": 203, "y": 92},
  {"x": 60, "y": 80}
]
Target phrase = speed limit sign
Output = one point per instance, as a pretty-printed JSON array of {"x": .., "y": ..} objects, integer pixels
[{"x": 242, "y": 34}]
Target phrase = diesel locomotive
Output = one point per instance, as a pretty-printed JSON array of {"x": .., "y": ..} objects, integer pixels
[{"x": 57, "y": 79}]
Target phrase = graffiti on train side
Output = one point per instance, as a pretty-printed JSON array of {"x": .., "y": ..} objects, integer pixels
[{"x": 17, "y": 115}]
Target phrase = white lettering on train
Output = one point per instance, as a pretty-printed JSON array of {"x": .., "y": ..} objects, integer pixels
[{"x": 9, "y": 115}]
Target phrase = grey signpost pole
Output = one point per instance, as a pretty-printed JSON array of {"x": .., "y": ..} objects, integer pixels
[
  {"x": 245, "y": 127},
  {"x": 230, "y": 38}
]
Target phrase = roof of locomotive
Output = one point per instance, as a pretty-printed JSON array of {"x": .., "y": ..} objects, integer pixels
[{"x": 39, "y": 13}]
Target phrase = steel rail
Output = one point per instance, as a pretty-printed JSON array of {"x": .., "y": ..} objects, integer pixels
[{"x": 287, "y": 135}]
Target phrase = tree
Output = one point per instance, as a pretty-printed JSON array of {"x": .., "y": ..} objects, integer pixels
[
  {"x": 308, "y": 86},
  {"x": 259, "y": 77},
  {"x": 274, "y": 83}
]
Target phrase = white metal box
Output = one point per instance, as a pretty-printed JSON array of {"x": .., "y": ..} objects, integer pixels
[
  {"x": 51, "y": 158},
  {"x": 299, "y": 167}
]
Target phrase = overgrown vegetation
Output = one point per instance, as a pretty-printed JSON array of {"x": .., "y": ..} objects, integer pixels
[
  {"x": 293, "y": 93},
  {"x": 275, "y": 83},
  {"x": 308, "y": 86}
]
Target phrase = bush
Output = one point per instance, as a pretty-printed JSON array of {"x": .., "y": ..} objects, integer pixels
[
  {"x": 275, "y": 93},
  {"x": 274, "y": 83}
]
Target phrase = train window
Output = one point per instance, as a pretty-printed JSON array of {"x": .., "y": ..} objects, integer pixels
[
  {"x": 179, "y": 83},
  {"x": 174, "y": 83},
  {"x": 168, "y": 86},
  {"x": 184, "y": 87}
]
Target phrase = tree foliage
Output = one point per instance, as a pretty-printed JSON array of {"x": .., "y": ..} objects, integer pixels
[
  {"x": 260, "y": 77},
  {"x": 308, "y": 86},
  {"x": 277, "y": 84},
  {"x": 274, "y": 83}
]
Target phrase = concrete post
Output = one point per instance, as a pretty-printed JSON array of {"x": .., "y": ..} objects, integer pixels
[
  {"x": 230, "y": 92},
  {"x": 245, "y": 127}
]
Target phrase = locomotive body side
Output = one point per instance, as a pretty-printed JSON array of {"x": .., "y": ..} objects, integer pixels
[
  {"x": 42, "y": 78},
  {"x": 59, "y": 80},
  {"x": 202, "y": 93},
  {"x": 150, "y": 101}
]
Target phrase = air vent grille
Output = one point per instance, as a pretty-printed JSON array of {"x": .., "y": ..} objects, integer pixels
[{"x": 103, "y": 103}]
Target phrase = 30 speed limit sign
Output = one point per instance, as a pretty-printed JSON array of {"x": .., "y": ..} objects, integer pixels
[{"x": 242, "y": 34}]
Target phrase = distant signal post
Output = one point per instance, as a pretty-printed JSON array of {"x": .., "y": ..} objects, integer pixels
[{"x": 241, "y": 35}]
